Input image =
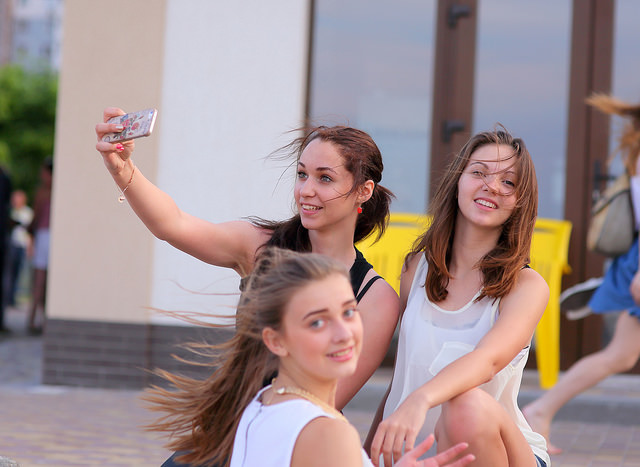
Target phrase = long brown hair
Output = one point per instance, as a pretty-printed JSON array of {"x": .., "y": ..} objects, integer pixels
[
  {"x": 629, "y": 140},
  {"x": 362, "y": 158},
  {"x": 202, "y": 416},
  {"x": 501, "y": 265}
]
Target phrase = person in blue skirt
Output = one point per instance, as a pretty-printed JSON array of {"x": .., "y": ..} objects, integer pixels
[{"x": 617, "y": 291}]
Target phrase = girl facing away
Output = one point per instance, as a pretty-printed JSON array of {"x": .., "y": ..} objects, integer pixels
[
  {"x": 297, "y": 312},
  {"x": 339, "y": 201},
  {"x": 471, "y": 305}
]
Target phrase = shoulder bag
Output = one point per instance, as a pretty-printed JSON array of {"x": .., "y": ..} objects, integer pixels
[{"x": 612, "y": 228}]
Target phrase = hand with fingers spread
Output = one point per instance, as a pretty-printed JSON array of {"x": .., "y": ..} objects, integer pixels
[
  {"x": 444, "y": 459},
  {"x": 400, "y": 429}
]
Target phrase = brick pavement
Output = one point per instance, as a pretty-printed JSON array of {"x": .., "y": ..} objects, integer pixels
[
  {"x": 60, "y": 426},
  {"x": 63, "y": 426}
]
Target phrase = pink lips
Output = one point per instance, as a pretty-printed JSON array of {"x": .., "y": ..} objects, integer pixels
[
  {"x": 309, "y": 209},
  {"x": 342, "y": 355},
  {"x": 485, "y": 203}
]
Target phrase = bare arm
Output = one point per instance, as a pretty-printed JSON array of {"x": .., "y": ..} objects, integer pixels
[
  {"x": 379, "y": 310},
  {"x": 377, "y": 418},
  {"x": 519, "y": 314},
  {"x": 230, "y": 244},
  {"x": 406, "y": 279}
]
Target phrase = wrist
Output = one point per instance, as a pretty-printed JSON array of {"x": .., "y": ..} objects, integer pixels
[
  {"x": 123, "y": 173},
  {"x": 421, "y": 399},
  {"x": 123, "y": 187}
]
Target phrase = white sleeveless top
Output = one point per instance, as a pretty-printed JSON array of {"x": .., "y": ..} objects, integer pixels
[
  {"x": 267, "y": 434},
  {"x": 431, "y": 338}
]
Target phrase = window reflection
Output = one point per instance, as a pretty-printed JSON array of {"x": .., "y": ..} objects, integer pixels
[
  {"x": 522, "y": 71},
  {"x": 372, "y": 67},
  {"x": 626, "y": 65}
]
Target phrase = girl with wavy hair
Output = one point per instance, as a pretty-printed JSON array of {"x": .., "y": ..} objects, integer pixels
[{"x": 471, "y": 305}]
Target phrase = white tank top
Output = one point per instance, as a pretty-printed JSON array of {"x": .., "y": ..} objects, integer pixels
[
  {"x": 267, "y": 434},
  {"x": 431, "y": 338}
]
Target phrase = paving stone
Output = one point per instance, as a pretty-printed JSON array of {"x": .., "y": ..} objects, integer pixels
[{"x": 65, "y": 426}]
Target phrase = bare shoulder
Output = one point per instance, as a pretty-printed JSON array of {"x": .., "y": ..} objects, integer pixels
[
  {"x": 327, "y": 441},
  {"x": 530, "y": 289},
  {"x": 380, "y": 297},
  {"x": 529, "y": 278}
]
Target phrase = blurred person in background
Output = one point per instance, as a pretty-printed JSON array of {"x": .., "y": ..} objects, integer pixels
[
  {"x": 617, "y": 291},
  {"x": 20, "y": 218},
  {"x": 40, "y": 260},
  {"x": 5, "y": 195}
]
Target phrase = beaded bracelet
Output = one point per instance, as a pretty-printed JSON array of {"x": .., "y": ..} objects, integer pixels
[{"x": 121, "y": 198}]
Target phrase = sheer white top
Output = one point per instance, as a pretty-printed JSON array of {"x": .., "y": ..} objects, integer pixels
[{"x": 431, "y": 338}]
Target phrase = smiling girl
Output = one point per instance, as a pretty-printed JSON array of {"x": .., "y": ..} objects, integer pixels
[
  {"x": 297, "y": 311},
  {"x": 471, "y": 305},
  {"x": 339, "y": 201}
]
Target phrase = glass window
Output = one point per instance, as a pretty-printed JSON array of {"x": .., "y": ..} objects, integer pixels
[
  {"x": 522, "y": 71},
  {"x": 372, "y": 67},
  {"x": 626, "y": 64}
]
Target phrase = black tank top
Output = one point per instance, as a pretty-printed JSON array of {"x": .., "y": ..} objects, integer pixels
[{"x": 358, "y": 272}]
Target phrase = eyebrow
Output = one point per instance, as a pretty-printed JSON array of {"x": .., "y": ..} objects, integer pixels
[
  {"x": 322, "y": 310},
  {"x": 508, "y": 170},
  {"x": 320, "y": 169}
]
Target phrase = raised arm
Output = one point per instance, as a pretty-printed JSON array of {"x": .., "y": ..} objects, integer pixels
[{"x": 230, "y": 244}]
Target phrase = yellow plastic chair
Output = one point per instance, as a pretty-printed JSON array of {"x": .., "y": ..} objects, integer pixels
[
  {"x": 549, "y": 257},
  {"x": 387, "y": 254}
]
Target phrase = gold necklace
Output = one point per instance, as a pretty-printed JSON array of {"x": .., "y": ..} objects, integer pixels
[{"x": 310, "y": 397}]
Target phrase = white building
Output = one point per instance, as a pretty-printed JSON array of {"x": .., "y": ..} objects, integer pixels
[
  {"x": 31, "y": 33},
  {"x": 230, "y": 79}
]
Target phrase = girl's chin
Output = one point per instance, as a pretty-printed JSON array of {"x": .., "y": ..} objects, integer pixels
[
  {"x": 346, "y": 369},
  {"x": 336, "y": 374}
]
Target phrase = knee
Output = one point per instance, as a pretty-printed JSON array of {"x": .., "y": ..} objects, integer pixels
[
  {"x": 618, "y": 359},
  {"x": 466, "y": 416},
  {"x": 623, "y": 362}
]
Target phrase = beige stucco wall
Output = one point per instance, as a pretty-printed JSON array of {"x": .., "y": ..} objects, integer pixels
[
  {"x": 228, "y": 81},
  {"x": 101, "y": 260}
]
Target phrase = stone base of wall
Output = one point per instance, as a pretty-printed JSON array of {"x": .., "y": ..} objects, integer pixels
[{"x": 119, "y": 355}]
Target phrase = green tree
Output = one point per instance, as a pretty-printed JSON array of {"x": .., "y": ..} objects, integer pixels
[{"x": 27, "y": 123}]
